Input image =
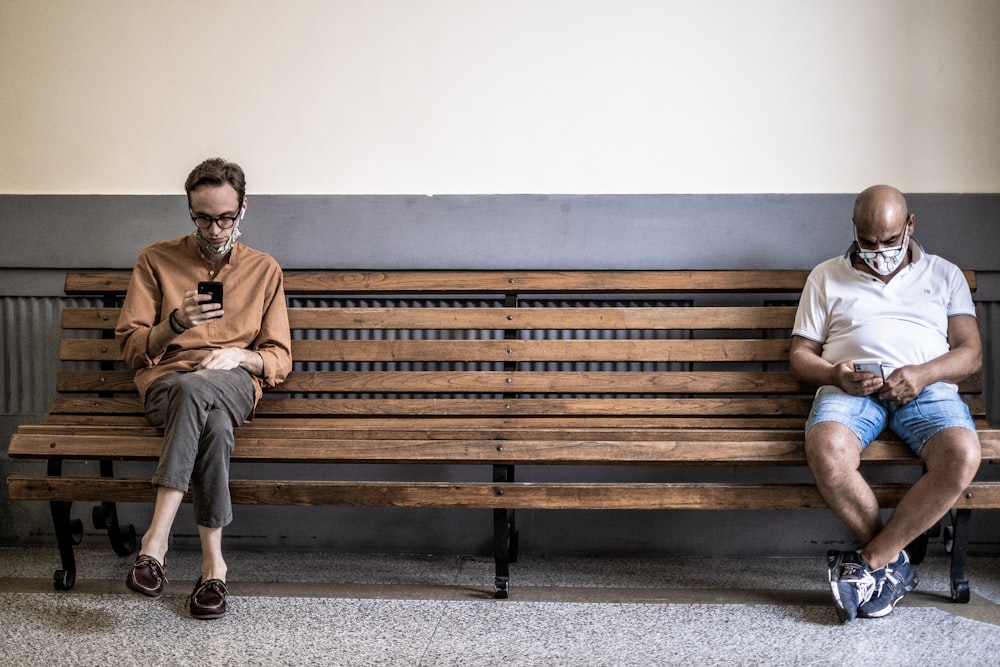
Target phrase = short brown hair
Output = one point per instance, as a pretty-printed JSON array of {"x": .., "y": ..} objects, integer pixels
[{"x": 215, "y": 172}]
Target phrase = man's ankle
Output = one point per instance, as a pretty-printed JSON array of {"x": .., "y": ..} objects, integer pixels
[{"x": 875, "y": 563}]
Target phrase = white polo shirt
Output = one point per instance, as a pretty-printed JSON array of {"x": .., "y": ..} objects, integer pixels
[{"x": 905, "y": 321}]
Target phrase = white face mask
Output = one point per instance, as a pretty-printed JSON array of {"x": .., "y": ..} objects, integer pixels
[{"x": 884, "y": 261}]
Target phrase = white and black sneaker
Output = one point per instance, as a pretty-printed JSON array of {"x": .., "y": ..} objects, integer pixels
[
  {"x": 892, "y": 582},
  {"x": 852, "y": 582}
]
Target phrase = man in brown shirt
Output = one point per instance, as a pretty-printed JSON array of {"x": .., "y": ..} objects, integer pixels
[{"x": 201, "y": 367}]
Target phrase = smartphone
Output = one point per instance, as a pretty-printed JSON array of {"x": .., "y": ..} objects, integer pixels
[
  {"x": 213, "y": 288},
  {"x": 870, "y": 366}
]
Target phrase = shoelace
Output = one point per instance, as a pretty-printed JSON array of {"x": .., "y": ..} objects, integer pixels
[
  {"x": 866, "y": 588},
  {"x": 154, "y": 565},
  {"x": 219, "y": 587},
  {"x": 880, "y": 583},
  {"x": 862, "y": 578}
]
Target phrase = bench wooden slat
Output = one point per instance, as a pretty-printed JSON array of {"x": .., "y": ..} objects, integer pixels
[
  {"x": 543, "y": 350},
  {"x": 575, "y": 282},
  {"x": 484, "y": 382},
  {"x": 679, "y": 448},
  {"x": 499, "y": 318},
  {"x": 89, "y": 349},
  {"x": 690, "y": 422},
  {"x": 685, "y": 447},
  {"x": 739, "y": 421},
  {"x": 76, "y": 410},
  {"x": 580, "y": 282},
  {"x": 579, "y": 495},
  {"x": 443, "y": 282},
  {"x": 535, "y": 318},
  {"x": 586, "y": 409},
  {"x": 492, "y": 350},
  {"x": 103, "y": 319},
  {"x": 466, "y": 282},
  {"x": 582, "y": 407},
  {"x": 508, "y": 428},
  {"x": 674, "y": 447},
  {"x": 76, "y": 406}
]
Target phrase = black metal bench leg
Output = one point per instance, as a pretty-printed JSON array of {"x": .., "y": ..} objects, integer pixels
[
  {"x": 501, "y": 554},
  {"x": 514, "y": 538},
  {"x": 918, "y": 547},
  {"x": 68, "y": 534},
  {"x": 504, "y": 537},
  {"x": 105, "y": 517},
  {"x": 959, "y": 539},
  {"x": 123, "y": 540}
]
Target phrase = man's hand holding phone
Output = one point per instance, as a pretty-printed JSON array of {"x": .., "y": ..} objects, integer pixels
[
  {"x": 868, "y": 377},
  {"x": 211, "y": 306},
  {"x": 873, "y": 366}
]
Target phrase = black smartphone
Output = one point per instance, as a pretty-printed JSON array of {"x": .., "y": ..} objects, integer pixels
[{"x": 213, "y": 288}]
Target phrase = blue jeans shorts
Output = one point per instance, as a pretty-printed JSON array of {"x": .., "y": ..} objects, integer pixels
[{"x": 936, "y": 408}]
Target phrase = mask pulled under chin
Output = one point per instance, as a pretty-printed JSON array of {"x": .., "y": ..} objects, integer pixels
[{"x": 230, "y": 242}]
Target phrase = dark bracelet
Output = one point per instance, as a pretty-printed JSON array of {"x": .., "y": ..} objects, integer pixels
[{"x": 175, "y": 323}]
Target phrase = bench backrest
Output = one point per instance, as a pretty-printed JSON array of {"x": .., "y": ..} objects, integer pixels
[{"x": 655, "y": 348}]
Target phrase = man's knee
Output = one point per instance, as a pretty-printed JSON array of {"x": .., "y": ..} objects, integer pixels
[
  {"x": 218, "y": 424},
  {"x": 189, "y": 387},
  {"x": 954, "y": 453},
  {"x": 832, "y": 449}
]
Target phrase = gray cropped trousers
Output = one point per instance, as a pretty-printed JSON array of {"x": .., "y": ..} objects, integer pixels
[{"x": 198, "y": 412}]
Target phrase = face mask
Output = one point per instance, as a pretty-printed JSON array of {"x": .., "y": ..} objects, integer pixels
[
  {"x": 227, "y": 246},
  {"x": 884, "y": 261}
]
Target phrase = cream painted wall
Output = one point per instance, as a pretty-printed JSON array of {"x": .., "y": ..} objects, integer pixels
[{"x": 514, "y": 96}]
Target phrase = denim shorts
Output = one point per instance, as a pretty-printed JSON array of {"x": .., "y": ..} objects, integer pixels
[{"x": 936, "y": 408}]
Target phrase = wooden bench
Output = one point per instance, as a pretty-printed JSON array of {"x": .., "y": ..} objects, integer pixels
[{"x": 495, "y": 369}]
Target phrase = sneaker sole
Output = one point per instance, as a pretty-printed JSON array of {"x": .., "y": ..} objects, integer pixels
[
  {"x": 838, "y": 606},
  {"x": 838, "y": 603}
]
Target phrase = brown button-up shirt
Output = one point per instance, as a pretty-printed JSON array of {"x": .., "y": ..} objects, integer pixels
[{"x": 254, "y": 303}]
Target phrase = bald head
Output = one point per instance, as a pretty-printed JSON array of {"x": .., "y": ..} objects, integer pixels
[
  {"x": 882, "y": 220},
  {"x": 881, "y": 206}
]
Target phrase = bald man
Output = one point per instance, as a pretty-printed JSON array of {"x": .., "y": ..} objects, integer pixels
[{"x": 910, "y": 315}]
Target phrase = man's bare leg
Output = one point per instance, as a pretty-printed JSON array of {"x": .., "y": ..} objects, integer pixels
[
  {"x": 952, "y": 459},
  {"x": 833, "y": 452},
  {"x": 156, "y": 540}
]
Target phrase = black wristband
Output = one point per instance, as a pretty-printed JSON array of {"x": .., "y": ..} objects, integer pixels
[{"x": 176, "y": 323}]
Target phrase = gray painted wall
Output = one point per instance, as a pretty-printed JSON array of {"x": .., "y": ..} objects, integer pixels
[
  {"x": 44, "y": 236},
  {"x": 495, "y": 231}
]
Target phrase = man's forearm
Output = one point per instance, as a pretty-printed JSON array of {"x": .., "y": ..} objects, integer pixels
[
  {"x": 954, "y": 366},
  {"x": 159, "y": 337},
  {"x": 812, "y": 369}
]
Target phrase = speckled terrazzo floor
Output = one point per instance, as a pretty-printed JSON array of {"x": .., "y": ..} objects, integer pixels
[{"x": 341, "y": 609}]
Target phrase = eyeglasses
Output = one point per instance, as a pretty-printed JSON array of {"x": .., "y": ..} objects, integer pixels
[
  {"x": 891, "y": 252},
  {"x": 223, "y": 221}
]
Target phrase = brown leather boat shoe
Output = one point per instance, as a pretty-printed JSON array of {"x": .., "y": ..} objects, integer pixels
[
  {"x": 146, "y": 576},
  {"x": 208, "y": 599}
]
